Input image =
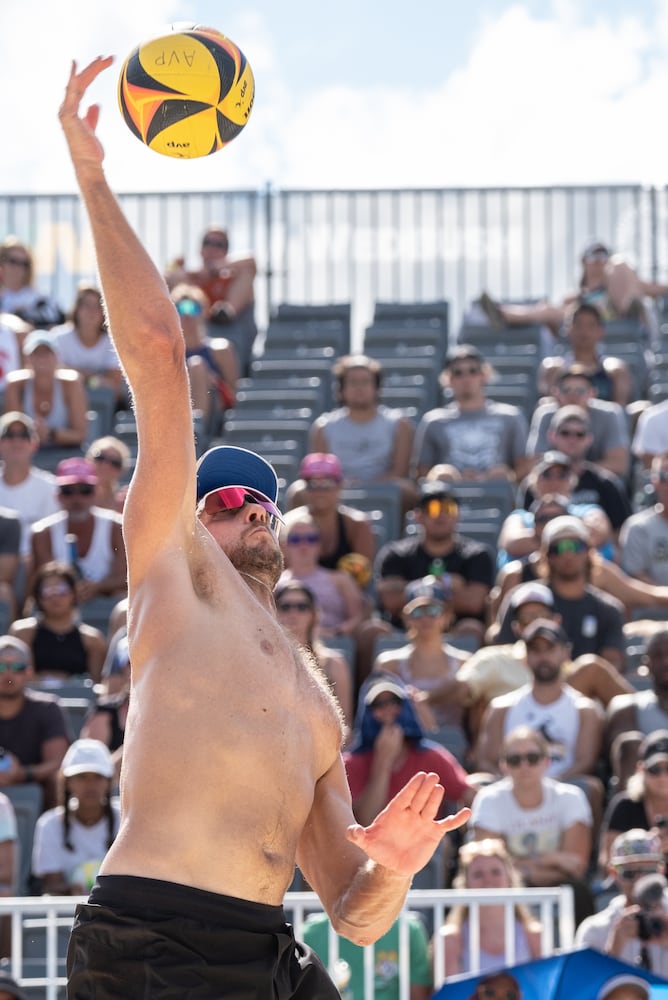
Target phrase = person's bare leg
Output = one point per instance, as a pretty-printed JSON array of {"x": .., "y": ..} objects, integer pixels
[
  {"x": 623, "y": 286},
  {"x": 199, "y": 385},
  {"x": 541, "y": 314}
]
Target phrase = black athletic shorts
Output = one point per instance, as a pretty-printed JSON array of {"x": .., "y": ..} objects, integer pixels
[{"x": 145, "y": 939}]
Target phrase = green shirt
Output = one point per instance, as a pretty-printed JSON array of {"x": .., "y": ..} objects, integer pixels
[{"x": 386, "y": 956}]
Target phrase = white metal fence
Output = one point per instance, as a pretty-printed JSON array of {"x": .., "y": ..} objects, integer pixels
[{"x": 40, "y": 930}]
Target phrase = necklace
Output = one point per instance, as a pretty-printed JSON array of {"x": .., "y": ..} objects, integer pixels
[{"x": 261, "y": 582}]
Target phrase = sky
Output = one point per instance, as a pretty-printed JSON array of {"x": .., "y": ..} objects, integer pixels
[{"x": 371, "y": 93}]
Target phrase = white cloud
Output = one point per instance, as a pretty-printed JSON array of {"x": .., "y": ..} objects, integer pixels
[{"x": 539, "y": 100}]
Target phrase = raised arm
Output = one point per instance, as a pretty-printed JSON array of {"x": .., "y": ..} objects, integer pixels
[{"x": 146, "y": 332}]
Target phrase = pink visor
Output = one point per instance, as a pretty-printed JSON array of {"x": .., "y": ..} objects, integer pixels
[{"x": 234, "y": 498}]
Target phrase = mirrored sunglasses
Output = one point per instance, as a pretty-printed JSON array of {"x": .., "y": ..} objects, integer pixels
[
  {"x": 434, "y": 508},
  {"x": 312, "y": 538},
  {"x": 563, "y": 545},
  {"x": 14, "y": 667},
  {"x": 233, "y": 498},
  {"x": 188, "y": 307}
]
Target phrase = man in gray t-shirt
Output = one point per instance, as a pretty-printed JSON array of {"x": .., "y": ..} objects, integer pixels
[
  {"x": 477, "y": 437},
  {"x": 643, "y": 540}
]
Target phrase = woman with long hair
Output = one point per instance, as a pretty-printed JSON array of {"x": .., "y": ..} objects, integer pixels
[
  {"x": 297, "y": 611},
  {"x": 486, "y": 864},
  {"x": 83, "y": 342},
  {"x": 62, "y": 646},
  {"x": 72, "y": 839}
]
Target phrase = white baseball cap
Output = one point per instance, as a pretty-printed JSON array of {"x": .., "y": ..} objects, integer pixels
[{"x": 87, "y": 757}]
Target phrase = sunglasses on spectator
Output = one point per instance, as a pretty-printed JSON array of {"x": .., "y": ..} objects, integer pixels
[
  {"x": 17, "y": 261},
  {"x": 323, "y": 483},
  {"x": 432, "y": 508},
  {"x": 77, "y": 490},
  {"x": 425, "y": 611},
  {"x": 23, "y": 435},
  {"x": 58, "y": 589},
  {"x": 233, "y": 498},
  {"x": 465, "y": 370},
  {"x": 218, "y": 244},
  {"x": 564, "y": 545},
  {"x": 384, "y": 701},
  {"x": 558, "y": 472},
  {"x": 188, "y": 307},
  {"x": 14, "y": 666},
  {"x": 632, "y": 873},
  {"x": 657, "y": 769},
  {"x": 101, "y": 456},
  {"x": 312, "y": 538},
  {"x": 533, "y": 757},
  {"x": 574, "y": 390},
  {"x": 294, "y": 606},
  {"x": 572, "y": 433}
]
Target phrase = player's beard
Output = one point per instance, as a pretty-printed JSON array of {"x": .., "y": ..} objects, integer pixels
[{"x": 265, "y": 560}]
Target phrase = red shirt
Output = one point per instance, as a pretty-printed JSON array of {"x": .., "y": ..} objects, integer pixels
[{"x": 452, "y": 775}]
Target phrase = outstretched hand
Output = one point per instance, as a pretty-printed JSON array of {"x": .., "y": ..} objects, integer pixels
[
  {"x": 404, "y": 836},
  {"x": 85, "y": 147}
]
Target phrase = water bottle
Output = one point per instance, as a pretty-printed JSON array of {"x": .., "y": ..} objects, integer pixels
[
  {"x": 72, "y": 548},
  {"x": 341, "y": 975},
  {"x": 5, "y": 761}
]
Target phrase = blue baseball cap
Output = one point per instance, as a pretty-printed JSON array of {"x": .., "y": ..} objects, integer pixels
[{"x": 227, "y": 465}]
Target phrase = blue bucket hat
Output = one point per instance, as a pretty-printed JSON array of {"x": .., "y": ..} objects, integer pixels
[{"x": 227, "y": 465}]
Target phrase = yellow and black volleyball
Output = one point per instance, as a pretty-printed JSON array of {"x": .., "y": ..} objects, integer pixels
[{"x": 186, "y": 94}]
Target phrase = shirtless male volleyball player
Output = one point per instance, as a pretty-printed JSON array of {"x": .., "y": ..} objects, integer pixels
[{"x": 231, "y": 768}]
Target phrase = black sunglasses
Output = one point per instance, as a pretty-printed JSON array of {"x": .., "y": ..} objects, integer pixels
[
  {"x": 77, "y": 490},
  {"x": 100, "y": 456},
  {"x": 533, "y": 757}
]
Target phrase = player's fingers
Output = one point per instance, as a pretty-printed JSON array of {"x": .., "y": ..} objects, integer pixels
[
  {"x": 423, "y": 791},
  {"x": 455, "y": 821},
  {"x": 430, "y": 808}
]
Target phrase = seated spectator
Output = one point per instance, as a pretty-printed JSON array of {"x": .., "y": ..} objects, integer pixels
[
  {"x": 72, "y": 839},
  {"x": 228, "y": 283},
  {"x": 386, "y": 959},
  {"x": 546, "y": 824},
  {"x": 24, "y": 488},
  {"x": 435, "y": 549},
  {"x": 566, "y": 560},
  {"x": 338, "y": 597},
  {"x": 585, "y": 331},
  {"x": 651, "y": 433},
  {"x": 591, "y": 618},
  {"x": 53, "y": 396},
  {"x": 573, "y": 386},
  {"x": 474, "y": 435},
  {"x": 571, "y": 724},
  {"x": 297, "y": 611},
  {"x": 99, "y": 559},
  {"x": 343, "y": 529},
  {"x": 570, "y": 433},
  {"x": 616, "y": 930},
  {"x": 111, "y": 458},
  {"x": 62, "y": 646},
  {"x": 9, "y": 850},
  {"x": 606, "y": 280},
  {"x": 500, "y": 669},
  {"x": 644, "y": 536},
  {"x": 212, "y": 362},
  {"x": 486, "y": 864},
  {"x": 371, "y": 441},
  {"x": 18, "y": 295},
  {"x": 644, "y": 802},
  {"x": 388, "y": 748},
  {"x": 427, "y": 664},
  {"x": 33, "y": 729},
  {"x": 522, "y": 530},
  {"x": 632, "y": 716},
  {"x": 84, "y": 344},
  {"x": 108, "y": 715}
]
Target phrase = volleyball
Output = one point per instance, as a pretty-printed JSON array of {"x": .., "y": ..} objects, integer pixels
[{"x": 187, "y": 93}]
